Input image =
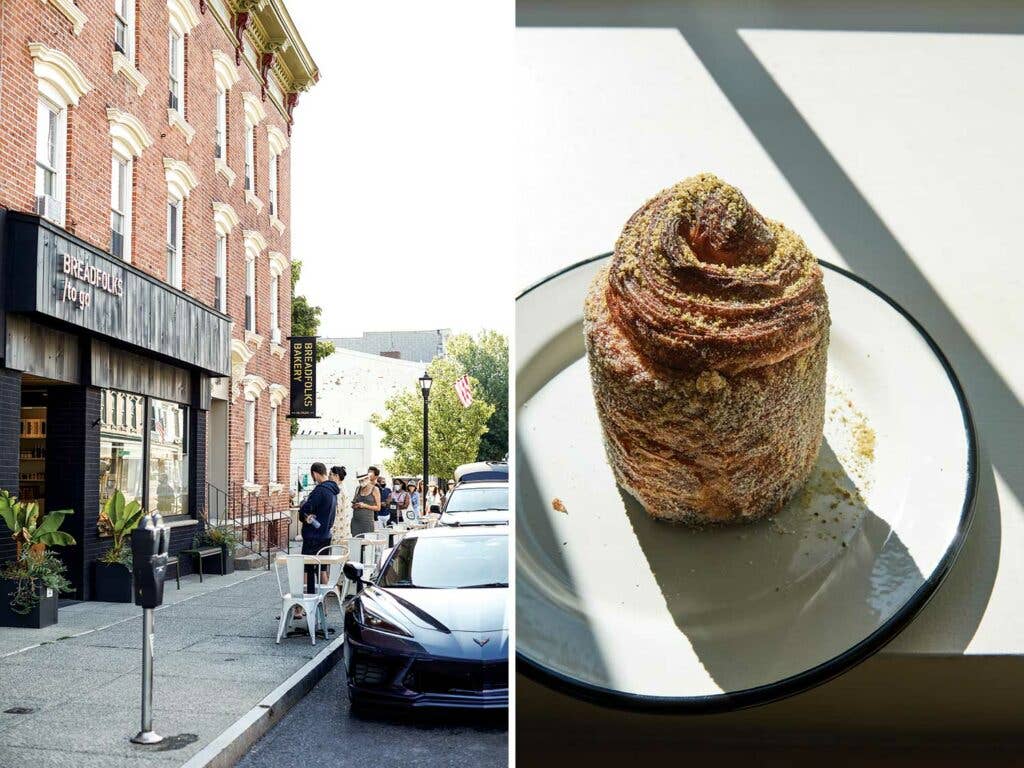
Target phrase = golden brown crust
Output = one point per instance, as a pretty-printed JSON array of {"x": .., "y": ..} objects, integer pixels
[{"x": 707, "y": 337}]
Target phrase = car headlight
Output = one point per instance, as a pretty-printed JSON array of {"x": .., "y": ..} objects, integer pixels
[{"x": 376, "y": 621}]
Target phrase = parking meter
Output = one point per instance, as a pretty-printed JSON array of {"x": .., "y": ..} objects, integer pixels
[{"x": 150, "y": 541}]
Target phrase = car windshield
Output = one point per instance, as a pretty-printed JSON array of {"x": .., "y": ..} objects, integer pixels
[
  {"x": 468, "y": 499},
  {"x": 455, "y": 562}
]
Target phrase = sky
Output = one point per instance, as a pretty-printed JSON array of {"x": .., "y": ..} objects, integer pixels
[{"x": 401, "y": 211}]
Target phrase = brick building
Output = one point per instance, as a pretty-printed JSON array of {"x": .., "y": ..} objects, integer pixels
[{"x": 144, "y": 257}]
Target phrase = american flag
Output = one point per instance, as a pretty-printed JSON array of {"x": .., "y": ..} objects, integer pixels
[{"x": 464, "y": 392}]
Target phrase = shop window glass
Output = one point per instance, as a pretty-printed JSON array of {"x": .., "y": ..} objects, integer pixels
[
  {"x": 121, "y": 445},
  {"x": 168, "y": 458}
]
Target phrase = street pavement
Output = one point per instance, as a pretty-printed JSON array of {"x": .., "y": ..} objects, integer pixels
[
  {"x": 319, "y": 731},
  {"x": 69, "y": 694}
]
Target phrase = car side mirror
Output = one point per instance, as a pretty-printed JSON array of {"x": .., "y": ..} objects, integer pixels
[{"x": 354, "y": 573}]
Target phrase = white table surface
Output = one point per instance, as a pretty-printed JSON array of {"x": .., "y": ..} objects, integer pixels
[{"x": 894, "y": 154}]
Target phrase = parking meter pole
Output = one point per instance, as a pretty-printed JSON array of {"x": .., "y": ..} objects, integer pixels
[{"x": 147, "y": 735}]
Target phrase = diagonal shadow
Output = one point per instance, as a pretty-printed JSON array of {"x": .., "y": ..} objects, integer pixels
[{"x": 847, "y": 219}]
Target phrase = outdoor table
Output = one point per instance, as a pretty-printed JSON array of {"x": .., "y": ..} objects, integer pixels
[
  {"x": 838, "y": 121},
  {"x": 282, "y": 558}
]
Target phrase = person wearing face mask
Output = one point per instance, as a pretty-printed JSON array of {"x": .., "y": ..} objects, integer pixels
[
  {"x": 400, "y": 501},
  {"x": 366, "y": 503}
]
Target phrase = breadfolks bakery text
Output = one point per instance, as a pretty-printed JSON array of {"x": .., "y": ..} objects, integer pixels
[{"x": 90, "y": 275}]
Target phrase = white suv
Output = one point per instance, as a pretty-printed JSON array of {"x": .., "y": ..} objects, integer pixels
[{"x": 483, "y": 502}]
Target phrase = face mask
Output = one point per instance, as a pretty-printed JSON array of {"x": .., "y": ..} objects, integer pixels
[{"x": 397, "y": 487}]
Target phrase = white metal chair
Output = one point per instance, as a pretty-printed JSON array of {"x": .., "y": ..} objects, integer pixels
[
  {"x": 293, "y": 594},
  {"x": 364, "y": 548},
  {"x": 334, "y": 575}
]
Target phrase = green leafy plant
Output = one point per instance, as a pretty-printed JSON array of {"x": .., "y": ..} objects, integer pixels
[
  {"x": 218, "y": 536},
  {"x": 120, "y": 518},
  {"x": 31, "y": 530},
  {"x": 31, "y": 574}
]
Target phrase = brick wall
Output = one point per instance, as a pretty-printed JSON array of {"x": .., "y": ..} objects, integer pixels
[{"x": 88, "y": 167}]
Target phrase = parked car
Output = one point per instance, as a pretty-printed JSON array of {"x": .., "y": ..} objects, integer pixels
[
  {"x": 481, "y": 470},
  {"x": 431, "y": 628},
  {"x": 477, "y": 503}
]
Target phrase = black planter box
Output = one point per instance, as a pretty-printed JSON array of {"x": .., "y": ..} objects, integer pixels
[
  {"x": 220, "y": 566},
  {"x": 113, "y": 583},
  {"x": 43, "y": 615}
]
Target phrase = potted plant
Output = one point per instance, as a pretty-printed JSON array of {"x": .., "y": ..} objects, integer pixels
[
  {"x": 30, "y": 584},
  {"x": 222, "y": 536},
  {"x": 113, "y": 582}
]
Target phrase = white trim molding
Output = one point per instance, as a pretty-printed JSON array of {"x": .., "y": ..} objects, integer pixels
[
  {"x": 276, "y": 140},
  {"x": 183, "y": 16},
  {"x": 60, "y": 79},
  {"x": 277, "y": 224},
  {"x": 121, "y": 64},
  {"x": 224, "y": 70},
  {"x": 255, "y": 243},
  {"x": 175, "y": 119},
  {"x": 127, "y": 134},
  {"x": 253, "y": 385},
  {"x": 278, "y": 263},
  {"x": 278, "y": 393},
  {"x": 71, "y": 12},
  {"x": 254, "y": 111},
  {"x": 224, "y": 170},
  {"x": 180, "y": 178},
  {"x": 251, "y": 199},
  {"x": 240, "y": 357},
  {"x": 224, "y": 218}
]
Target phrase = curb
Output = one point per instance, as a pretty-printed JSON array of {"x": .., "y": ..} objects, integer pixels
[{"x": 233, "y": 744}]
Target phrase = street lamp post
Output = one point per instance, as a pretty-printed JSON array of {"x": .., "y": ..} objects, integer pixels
[{"x": 425, "y": 382}]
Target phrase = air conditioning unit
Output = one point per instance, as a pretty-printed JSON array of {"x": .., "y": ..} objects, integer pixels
[
  {"x": 49, "y": 207},
  {"x": 275, "y": 336}
]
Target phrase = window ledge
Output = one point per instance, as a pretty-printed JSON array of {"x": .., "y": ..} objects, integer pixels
[
  {"x": 275, "y": 487},
  {"x": 181, "y": 523},
  {"x": 224, "y": 170},
  {"x": 279, "y": 350},
  {"x": 71, "y": 12},
  {"x": 252, "y": 487},
  {"x": 277, "y": 224},
  {"x": 252, "y": 337},
  {"x": 131, "y": 74},
  {"x": 175, "y": 119},
  {"x": 251, "y": 199}
]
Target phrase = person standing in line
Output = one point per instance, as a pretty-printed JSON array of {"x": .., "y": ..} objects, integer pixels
[
  {"x": 434, "y": 500},
  {"x": 343, "y": 518},
  {"x": 399, "y": 501},
  {"x": 416, "y": 493},
  {"x": 317, "y": 515},
  {"x": 366, "y": 503}
]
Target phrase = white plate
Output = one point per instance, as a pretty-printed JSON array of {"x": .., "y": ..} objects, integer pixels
[{"x": 616, "y": 607}]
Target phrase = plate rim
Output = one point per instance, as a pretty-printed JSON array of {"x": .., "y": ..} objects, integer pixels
[{"x": 826, "y": 670}]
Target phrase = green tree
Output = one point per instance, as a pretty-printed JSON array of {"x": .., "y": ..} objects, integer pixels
[
  {"x": 485, "y": 358},
  {"x": 455, "y": 431}
]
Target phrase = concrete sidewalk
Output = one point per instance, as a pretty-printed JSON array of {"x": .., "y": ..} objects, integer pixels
[{"x": 215, "y": 660}]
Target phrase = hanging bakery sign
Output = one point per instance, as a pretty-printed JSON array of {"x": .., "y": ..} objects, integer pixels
[{"x": 81, "y": 278}]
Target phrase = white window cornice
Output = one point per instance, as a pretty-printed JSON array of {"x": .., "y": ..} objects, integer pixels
[
  {"x": 276, "y": 139},
  {"x": 127, "y": 133},
  {"x": 224, "y": 70},
  {"x": 177, "y": 120},
  {"x": 278, "y": 263},
  {"x": 254, "y": 111},
  {"x": 253, "y": 385},
  {"x": 180, "y": 178},
  {"x": 61, "y": 80},
  {"x": 183, "y": 16},
  {"x": 71, "y": 12},
  {"x": 278, "y": 392},
  {"x": 255, "y": 243},
  {"x": 224, "y": 217},
  {"x": 121, "y": 64}
]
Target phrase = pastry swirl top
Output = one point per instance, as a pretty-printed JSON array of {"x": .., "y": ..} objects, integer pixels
[{"x": 700, "y": 280}]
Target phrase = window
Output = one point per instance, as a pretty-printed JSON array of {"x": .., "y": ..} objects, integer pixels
[
  {"x": 51, "y": 130},
  {"x": 168, "y": 458},
  {"x": 121, "y": 444},
  {"x": 250, "y": 442},
  {"x": 250, "y": 147},
  {"x": 220, "y": 279},
  {"x": 220, "y": 144},
  {"x": 272, "y": 183},
  {"x": 176, "y": 71},
  {"x": 451, "y": 562},
  {"x": 250, "y": 295},
  {"x": 174, "y": 242},
  {"x": 273, "y": 444},
  {"x": 120, "y": 207},
  {"x": 275, "y": 323},
  {"x": 124, "y": 28}
]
